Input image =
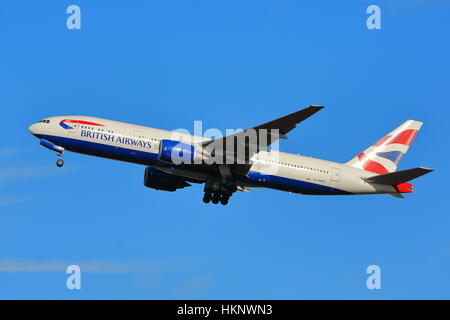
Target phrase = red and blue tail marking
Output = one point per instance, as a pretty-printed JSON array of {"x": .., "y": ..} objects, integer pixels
[{"x": 385, "y": 154}]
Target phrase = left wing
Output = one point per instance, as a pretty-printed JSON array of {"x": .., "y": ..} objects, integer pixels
[{"x": 289, "y": 122}]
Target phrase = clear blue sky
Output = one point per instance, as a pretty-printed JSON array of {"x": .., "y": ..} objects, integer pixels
[{"x": 231, "y": 64}]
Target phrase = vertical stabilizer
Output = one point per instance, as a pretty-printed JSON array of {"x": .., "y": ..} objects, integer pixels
[{"x": 385, "y": 154}]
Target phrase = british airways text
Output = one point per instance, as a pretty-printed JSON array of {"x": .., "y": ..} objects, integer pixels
[{"x": 117, "y": 139}]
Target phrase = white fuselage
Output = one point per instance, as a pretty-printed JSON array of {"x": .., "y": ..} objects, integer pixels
[{"x": 140, "y": 144}]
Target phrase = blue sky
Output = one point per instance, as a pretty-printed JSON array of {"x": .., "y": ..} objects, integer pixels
[{"x": 231, "y": 64}]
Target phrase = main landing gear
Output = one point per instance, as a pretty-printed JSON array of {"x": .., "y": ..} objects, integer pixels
[
  {"x": 216, "y": 192},
  {"x": 216, "y": 197}
]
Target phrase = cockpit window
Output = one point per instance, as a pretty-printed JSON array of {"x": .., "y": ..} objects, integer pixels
[{"x": 45, "y": 121}]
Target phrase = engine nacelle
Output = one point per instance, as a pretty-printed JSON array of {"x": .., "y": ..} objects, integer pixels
[
  {"x": 156, "y": 179},
  {"x": 177, "y": 152}
]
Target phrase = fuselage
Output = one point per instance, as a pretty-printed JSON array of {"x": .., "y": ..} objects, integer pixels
[{"x": 140, "y": 145}]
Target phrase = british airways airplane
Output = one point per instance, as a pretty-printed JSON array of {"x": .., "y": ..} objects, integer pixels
[{"x": 239, "y": 161}]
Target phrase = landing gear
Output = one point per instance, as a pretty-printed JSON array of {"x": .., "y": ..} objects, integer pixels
[
  {"x": 60, "y": 163},
  {"x": 216, "y": 198},
  {"x": 224, "y": 200},
  {"x": 207, "y": 197},
  {"x": 59, "y": 151},
  {"x": 217, "y": 191}
]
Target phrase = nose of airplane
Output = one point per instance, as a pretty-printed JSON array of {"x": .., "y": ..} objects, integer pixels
[{"x": 32, "y": 128}]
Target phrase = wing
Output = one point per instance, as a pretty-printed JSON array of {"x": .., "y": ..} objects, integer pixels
[
  {"x": 257, "y": 138},
  {"x": 289, "y": 122}
]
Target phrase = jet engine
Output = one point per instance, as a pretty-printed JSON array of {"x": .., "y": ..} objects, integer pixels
[
  {"x": 177, "y": 152},
  {"x": 156, "y": 179}
]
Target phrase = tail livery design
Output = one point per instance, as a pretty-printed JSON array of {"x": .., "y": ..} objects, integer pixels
[{"x": 385, "y": 154}]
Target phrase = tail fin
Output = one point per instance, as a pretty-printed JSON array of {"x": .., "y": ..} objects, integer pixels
[{"x": 385, "y": 154}]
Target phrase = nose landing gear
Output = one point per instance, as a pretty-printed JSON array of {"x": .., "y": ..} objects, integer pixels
[
  {"x": 59, "y": 151},
  {"x": 60, "y": 163}
]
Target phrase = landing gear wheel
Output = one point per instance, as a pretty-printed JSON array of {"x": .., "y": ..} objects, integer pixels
[
  {"x": 216, "y": 198},
  {"x": 60, "y": 163},
  {"x": 207, "y": 197},
  {"x": 224, "y": 200}
]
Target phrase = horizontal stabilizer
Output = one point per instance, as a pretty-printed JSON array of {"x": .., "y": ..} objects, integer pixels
[
  {"x": 397, "y": 195},
  {"x": 398, "y": 176}
]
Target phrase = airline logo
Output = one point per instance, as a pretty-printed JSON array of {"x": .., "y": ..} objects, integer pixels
[
  {"x": 385, "y": 154},
  {"x": 65, "y": 123}
]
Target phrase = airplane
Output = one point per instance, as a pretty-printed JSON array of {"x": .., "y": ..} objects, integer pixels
[{"x": 236, "y": 162}]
